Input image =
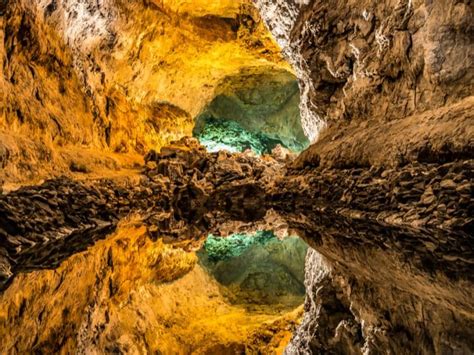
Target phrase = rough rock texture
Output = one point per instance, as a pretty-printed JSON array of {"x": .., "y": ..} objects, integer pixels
[
  {"x": 375, "y": 61},
  {"x": 384, "y": 196},
  {"x": 81, "y": 80},
  {"x": 387, "y": 277},
  {"x": 387, "y": 87},
  {"x": 386, "y": 235},
  {"x": 183, "y": 196},
  {"x": 263, "y": 102}
]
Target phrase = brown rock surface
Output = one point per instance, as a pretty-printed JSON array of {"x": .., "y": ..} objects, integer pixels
[
  {"x": 375, "y": 61},
  {"x": 387, "y": 87}
]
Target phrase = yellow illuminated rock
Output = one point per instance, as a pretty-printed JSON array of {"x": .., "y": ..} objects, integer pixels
[
  {"x": 117, "y": 76},
  {"x": 86, "y": 90}
]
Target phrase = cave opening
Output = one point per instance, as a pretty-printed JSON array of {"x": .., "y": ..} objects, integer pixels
[
  {"x": 260, "y": 271},
  {"x": 256, "y": 109}
]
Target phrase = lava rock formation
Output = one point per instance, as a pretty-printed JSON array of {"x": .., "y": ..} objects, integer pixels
[{"x": 383, "y": 195}]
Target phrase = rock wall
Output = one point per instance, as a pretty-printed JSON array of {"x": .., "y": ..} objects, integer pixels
[
  {"x": 374, "y": 63},
  {"x": 82, "y": 81},
  {"x": 386, "y": 86}
]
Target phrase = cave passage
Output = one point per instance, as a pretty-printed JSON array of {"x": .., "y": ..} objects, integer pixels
[
  {"x": 257, "y": 270},
  {"x": 220, "y": 134},
  {"x": 258, "y": 109}
]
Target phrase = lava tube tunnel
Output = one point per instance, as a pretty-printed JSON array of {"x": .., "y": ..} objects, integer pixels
[{"x": 220, "y": 177}]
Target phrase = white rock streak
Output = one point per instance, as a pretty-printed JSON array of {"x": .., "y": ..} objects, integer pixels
[
  {"x": 84, "y": 24},
  {"x": 280, "y": 17}
]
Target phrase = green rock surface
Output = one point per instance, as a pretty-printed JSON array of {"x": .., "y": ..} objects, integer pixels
[
  {"x": 218, "y": 248},
  {"x": 255, "y": 109}
]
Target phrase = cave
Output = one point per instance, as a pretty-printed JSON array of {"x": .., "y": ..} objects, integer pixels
[
  {"x": 236, "y": 177},
  {"x": 257, "y": 109}
]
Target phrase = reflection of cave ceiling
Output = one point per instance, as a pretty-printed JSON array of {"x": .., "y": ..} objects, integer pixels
[{"x": 257, "y": 269}]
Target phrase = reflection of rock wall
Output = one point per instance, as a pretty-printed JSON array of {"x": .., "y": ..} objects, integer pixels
[
  {"x": 128, "y": 294},
  {"x": 261, "y": 100},
  {"x": 343, "y": 316},
  {"x": 179, "y": 189},
  {"x": 399, "y": 279},
  {"x": 386, "y": 234}
]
